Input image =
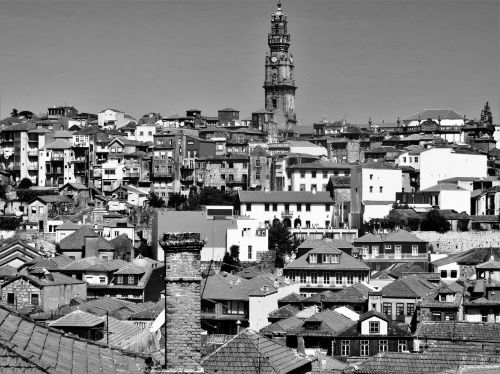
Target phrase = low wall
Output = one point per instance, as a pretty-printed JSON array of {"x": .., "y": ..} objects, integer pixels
[{"x": 452, "y": 242}]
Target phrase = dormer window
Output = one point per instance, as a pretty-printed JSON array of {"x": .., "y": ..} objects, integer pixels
[
  {"x": 313, "y": 259},
  {"x": 325, "y": 259},
  {"x": 442, "y": 297},
  {"x": 119, "y": 279},
  {"x": 374, "y": 327},
  {"x": 335, "y": 259}
]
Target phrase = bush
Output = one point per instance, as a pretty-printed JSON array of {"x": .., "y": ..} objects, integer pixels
[
  {"x": 25, "y": 183},
  {"x": 155, "y": 201},
  {"x": 9, "y": 223},
  {"x": 434, "y": 221}
]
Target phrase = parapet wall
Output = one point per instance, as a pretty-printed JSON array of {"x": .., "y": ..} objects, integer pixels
[{"x": 452, "y": 242}]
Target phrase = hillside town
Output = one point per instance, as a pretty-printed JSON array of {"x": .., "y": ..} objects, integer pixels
[{"x": 230, "y": 242}]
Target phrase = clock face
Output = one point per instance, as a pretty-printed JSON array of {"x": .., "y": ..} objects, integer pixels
[{"x": 274, "y": 59}]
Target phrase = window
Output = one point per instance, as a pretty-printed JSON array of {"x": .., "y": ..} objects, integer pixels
[
  {"x": 387, "y": 309},
  {"x": 130, "y": 279},
  {"x": 249, "y": 207},
  {"x": 365, "y": 251},
  {"x": 375, "y": 249},
  {"x": 10, "y": 298},
  {"x": 402, "y": 345},
  {"x": 257, "y": 163},
  {"x": 249, "y": 252},
  {"x": 275, "y": 207},
  {"x": 397, "y": 251},
  {"x": 326, "y": 278},
  {"x": 371, "y": 176},
  {"x": 350, "y": 278},
  {"x": 400, "y": 309},
  {"x": 416, "y": 159},
  {"x": 257, "y": 176},
  {"x": 235, "y": 307},
  {"x": 313, "y": 174},
  {"x": 327, "y": 207},
  {"x": 302, "y": 187},
  {"x": 308, "y": 207},
  {"x": 453, "y": 273},
  {"x": 371, "y": 189},
  {"x": 119, "y": 280},
  {"x": 299, "y": 207},
  {"x": 325, "y": 174},
  {"x": 292, "y": 276},
  {"x": 444, "y": 273},
  {"x": 449, "y": 316},
  {"x": 484, "y": 316},
  {"x": 436, "y": 316},
  {"x": 35, "y": 299},
  {"x": 442, "y": 297},
  {"x": 335, "y": 259},
  {"x": 102, "y": 280},
  {"x": 374, "y": 326},
  {"x": 313, "y": 259},
  {"x": 410, "y": 309},
  {"x": 308, "y": 224},
  {"x": 365, "y": 348},
  {"x": 388, "y": 247},
  {"x": 302, "y": 174},
  {"x": 345, "y": 347},
  {"x": 287, "y": 207},
  {"x": 383, "y": 345},
  {"x": 266, "y": 207},
  {"x": 404, "y": 159},
  {"x": 314, "y": 187},
  {"x": 314, "y": 278},
  {"x": 414, "y": 250},
  {"x": 302, "y": 277},
  {"x": 325, "y": 259},
  {"x": 338, "y": 279}
]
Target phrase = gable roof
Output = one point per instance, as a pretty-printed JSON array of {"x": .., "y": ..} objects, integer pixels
[
  {"x": 286, "y": 311},
  {"x": 51, "y": 350},
  {"x": 76, "y": 240},
  {"x": 411, "y": 287},
  {"x": 60, "y": 143},
  {"x": 443, "y": 187},
  {"x": 78, "y": 318},
  {"x": 434, "y": 114},
  {"x": 249, "y": 353},
  {"x": 346, "y": 262},
  {"x": 68, "y": 225},
  {"x": 51, "y": 199}
]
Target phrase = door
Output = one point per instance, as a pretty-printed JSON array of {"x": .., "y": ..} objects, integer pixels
[{"x": 40, "y": 226}]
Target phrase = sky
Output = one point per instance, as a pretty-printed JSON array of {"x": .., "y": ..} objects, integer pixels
[{"x": 358, "y": 59}]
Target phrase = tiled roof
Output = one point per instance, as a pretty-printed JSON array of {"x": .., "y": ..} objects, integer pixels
[
  {"x": 326, "y": 323},
  {"x": 78, "y": 318},
  {"x": 130, "y": 269},
  {"x": 82, "y": 264},
  {"x": 323, "y": 165},
  {"x": 278, "y": 197},
  {"x": 150, "y": 313},
  {"x": 411, "y": 287},
  {"x": 492, "y": 264},
  {"x": 285, "y": 311},
  {"x": 108, "y": 266},
  {"x": 292, "y": 298},
  {"x": 346, "y": 262},
  {"x": 434, "y": 114},
  {"x": 117, "y": 308},
  {"x": 443, "y": 187},
  {"x": 55, "y": 352},
  {"x": 52, "y": 279},
  {"x": 402, "y": 236},
  {"x": 50, "y": 264},
  {"x": 49, "y": 199},
  {"x": 460, "y": 330},
  {"x": 59, "y": 144},
  {"x": 251, "y": 353},
  {"x": 68, "y": 225},
  {"x": 281, "y": 327},
  {"x": 76, "y": 241}
]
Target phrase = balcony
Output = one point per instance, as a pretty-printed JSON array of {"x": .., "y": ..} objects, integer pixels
[
  {"x": 97, "y": 173},
  {"x": 32, "y": 151},
  {"x": 286, "y": 214},
  {"x": 57, "y": 157},
  {"x": 33, "y": 166},
  {"x": 80, "y": 160}
]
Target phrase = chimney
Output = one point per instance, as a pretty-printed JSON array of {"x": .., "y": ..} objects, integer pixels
[
  {"x": 183, "y": 294},
  {"x": 90, "y": 249}
]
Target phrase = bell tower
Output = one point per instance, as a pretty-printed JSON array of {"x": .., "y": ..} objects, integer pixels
[{"x": 279, "y": 84}]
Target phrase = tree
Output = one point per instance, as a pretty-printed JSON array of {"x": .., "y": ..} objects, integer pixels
[
  {"x": 280, "y": 238},
  {"x": 175, "y": 200},
  {"x": 434, "y": 221},
  {"x": 210, "y": 196},
  {"x": 9, "y": 223},
  {"x": 25, "y": 183},
  {"x": 231, "y": 261},
  {"x": 155, "y": 201},
  {"x": 26, "y": 195}
]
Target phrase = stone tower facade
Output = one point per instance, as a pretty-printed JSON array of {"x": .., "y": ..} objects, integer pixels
[
  {"x": 183, "y": 293},
  {"x": 279, "y": 84}
]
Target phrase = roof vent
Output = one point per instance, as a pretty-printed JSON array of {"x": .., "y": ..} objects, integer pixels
[{"x": 265, "y": 288}]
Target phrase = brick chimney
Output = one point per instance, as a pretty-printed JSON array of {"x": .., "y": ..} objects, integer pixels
[{"x": 183, "y": 293}]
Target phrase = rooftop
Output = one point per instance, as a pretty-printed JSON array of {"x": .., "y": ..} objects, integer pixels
[{"x": 278, "y": 197}]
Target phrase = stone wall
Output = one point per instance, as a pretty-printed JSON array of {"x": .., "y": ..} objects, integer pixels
[
  {"x": 453, "y": 242},
  {"x": 22, "y": 290}
]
